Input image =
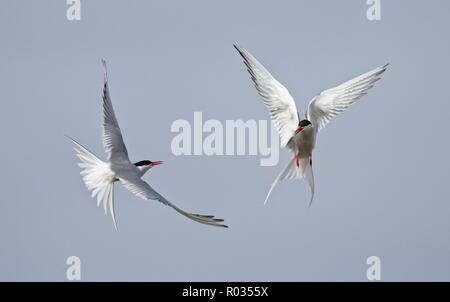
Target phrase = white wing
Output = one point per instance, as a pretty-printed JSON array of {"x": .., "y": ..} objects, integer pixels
[
  {"x": 143, "y": 190},
  {"x": 275, "y": 96},
  {"x": 331, "y": 102},
  {"x": 112, "y": 136}
]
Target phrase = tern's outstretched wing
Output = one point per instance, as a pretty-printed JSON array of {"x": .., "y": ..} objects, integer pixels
[
  {"x": 331, "y": 102},
  {"x": 275, "y": 96},
  {"x": 143, "y": 190},
  {"x": 112, "y": 136}
]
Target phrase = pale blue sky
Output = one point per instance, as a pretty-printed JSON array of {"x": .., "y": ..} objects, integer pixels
[{"x": 381, "y": 168}]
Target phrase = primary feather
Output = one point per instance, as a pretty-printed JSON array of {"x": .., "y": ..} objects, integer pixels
[{"x": 275, "y": 96}]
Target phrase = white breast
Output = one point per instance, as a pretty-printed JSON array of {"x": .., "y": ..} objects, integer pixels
[{"x": 305, "y": 141}]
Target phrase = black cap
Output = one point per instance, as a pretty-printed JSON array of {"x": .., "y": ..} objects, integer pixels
[
  {"x": 143, "y": 163},
  {"x": 304, "y": 123}
]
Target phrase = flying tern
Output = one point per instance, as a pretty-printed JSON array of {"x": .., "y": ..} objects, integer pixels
[
  {"x": 99, "y": 176},
  {"x": 299, "y": 135}
]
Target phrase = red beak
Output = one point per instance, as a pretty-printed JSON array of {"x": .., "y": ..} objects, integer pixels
[
  {"x": 299, "y": 129},
  {"x": 156, "y": 163}
]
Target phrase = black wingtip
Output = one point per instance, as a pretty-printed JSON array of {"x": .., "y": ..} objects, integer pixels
[
  {"x": 104, "y": 64},
  {"x": 241, "y": 53},
  {"x": 238, "y": 49}
]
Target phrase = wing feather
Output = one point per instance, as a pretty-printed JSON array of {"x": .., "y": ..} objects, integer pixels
[
  {"x": 143, "y": 190},
  {"x": 275, "y": 96},
  {"x": 324, "y": 107},
  {"x": 112, "y": 136}
]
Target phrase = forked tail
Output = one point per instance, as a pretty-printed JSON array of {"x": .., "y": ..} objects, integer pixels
[
  {"x": 98, "y": 178},
  {"x": 296, "y": 168}
]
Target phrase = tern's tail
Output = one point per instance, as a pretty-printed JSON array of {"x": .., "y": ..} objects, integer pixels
[
  {"x": 296, "y": 168},
  {"x": 98, "y": 178}
]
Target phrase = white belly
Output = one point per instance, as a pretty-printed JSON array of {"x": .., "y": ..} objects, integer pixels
[{"x": 304, "y": 142}]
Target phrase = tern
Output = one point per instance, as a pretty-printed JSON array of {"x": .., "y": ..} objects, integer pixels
[
  {"x": 299, "y": 135},
  {"x": 99, "y": 176}
]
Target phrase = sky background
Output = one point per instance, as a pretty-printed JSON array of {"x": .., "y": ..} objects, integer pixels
[{"x": 381, "y": 168}]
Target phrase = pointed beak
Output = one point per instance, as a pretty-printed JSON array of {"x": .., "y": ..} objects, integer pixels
[
  {"x": 299, "y": 129},
  {"x": 156, "y": 163}
]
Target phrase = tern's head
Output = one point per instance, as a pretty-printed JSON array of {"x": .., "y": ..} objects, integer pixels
[
  {"x": 302, "y": 125},
  {"x": 145, "y": 165}
]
